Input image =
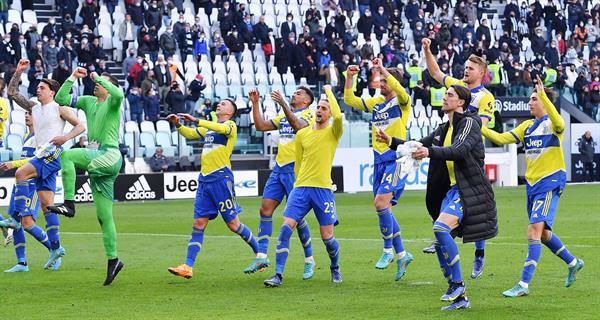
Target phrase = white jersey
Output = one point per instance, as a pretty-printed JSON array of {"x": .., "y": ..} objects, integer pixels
[{"x": 47, "y": 122}]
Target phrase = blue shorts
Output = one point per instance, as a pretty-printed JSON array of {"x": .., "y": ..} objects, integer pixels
[
  {"x": 47, "y": 168},
  {"x": 278, "y": 185},
  {"x": 542, "y": 207},
  {"x": 387, "y": 179},
  {"x": 321, "y": 200},
  {"x": 216, "y": 197},
  {"x": 32, "y": 203},
  {"x": 452, "y": 204}
]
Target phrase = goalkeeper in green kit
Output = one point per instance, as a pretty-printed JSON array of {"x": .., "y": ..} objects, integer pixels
[{"x": 101, "y": 159}]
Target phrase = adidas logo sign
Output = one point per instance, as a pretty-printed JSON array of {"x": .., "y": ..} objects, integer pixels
[
  {"x": 140, "y": 190},
  {"x": 84, "y": 194}
]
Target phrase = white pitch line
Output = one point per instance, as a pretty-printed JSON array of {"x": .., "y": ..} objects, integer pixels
[{"x": 137, "y": 234}]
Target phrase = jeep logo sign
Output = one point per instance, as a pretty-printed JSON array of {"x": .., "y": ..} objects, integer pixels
[{"x": 183, "y": 185}]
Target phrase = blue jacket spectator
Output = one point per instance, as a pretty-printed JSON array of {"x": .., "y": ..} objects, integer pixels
[{"x": 136, "y": 105}]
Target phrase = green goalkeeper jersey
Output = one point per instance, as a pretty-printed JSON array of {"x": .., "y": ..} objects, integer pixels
[{"x": 104, "y": 118}]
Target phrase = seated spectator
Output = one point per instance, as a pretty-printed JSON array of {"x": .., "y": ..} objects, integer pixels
[{"x": 158, "y": 162}]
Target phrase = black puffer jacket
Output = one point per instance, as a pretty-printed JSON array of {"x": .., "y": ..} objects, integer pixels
[{"x": 479, "y": 220}]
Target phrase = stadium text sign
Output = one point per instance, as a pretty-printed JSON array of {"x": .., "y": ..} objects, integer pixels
[
  {"x": 358, "y": 170},
  {"x": 183, "y": 185},
  {"x": 512, "y": 107}
]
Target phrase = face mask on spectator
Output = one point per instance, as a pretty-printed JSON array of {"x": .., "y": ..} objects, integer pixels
[
  {"x": 39, "y": 46},
  {"x": 146, "y": 68},
  {"x": 52, "y": 46},
  {"x": 139, "y": 60},
  {"x": 380, "y": 11},
  {"x": 45, "y": 39}
]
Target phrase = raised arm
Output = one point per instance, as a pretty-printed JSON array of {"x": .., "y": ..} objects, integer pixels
[
  {"x": 403, "y": 97},
  {"x": 296, "y": 122},
  {"x": 64, "y": 97},
  {"x": 558, "y": 123},
  {"x": 349, "y": 97},
  {"x": 259, "y": 123},
  {"x": 115, "y": 93},
  {"x": 432, "y": 66},
  {"x": 13, "y": 86},
  {"x": 513, "y": 136},
  {"x": 336, "y": 113},
  {"x": 186, "y": 132}
]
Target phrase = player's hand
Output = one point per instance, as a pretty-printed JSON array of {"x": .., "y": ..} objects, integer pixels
[
  {"x": 23, "y": 65},
  {"x": 539, "y": 85},
  {"x": 377, "y": 63},
  {"x": 59, "y": 140},
  {"x": 188, "y": 117},
  {"x": 94, "y": 75},
  {"x": 6, "y": 166},
  {"x": 383, "y": 137},
  {"x": 174, "y": 119},
  {"x": 426, "y": 42},
  {"x": 327, "y": 87},
  {"x": 278, "y": 97},
  {"x": 352, "y": 70},
  {"x": 421, "y": 153},
  {"x": 80, "y": 73},
  {"x": 254, "y": 96}
]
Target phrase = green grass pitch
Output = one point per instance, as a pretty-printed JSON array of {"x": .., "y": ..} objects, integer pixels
[{"x": 153, "y": 236}]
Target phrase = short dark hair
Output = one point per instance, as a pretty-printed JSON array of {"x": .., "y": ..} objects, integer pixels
[
  {"x": 308, "y": 92},
  {"x": 111, "y": 78},
  {"x": 235, "y": 109},
  {"x": 53, "y": 84},
  {"x": 463, "y": 94}
]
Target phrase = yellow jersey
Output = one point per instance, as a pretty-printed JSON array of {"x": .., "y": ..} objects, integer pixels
[
  {"x": 390, "y": 116},
  {"x": 450, "y": 163},
  {"x": 542, "y": 140},
  {"x": 315, "y": 150},
  {"x": 3, "y": 116},
  {"x": 482, "y": 101},
  {"x": 219, "y": 140},
  {"x": 286, "y": 153}
]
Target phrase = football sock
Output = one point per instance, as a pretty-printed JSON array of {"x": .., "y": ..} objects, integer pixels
[
  {"x": 442, "y": 260},
  {"x": 396, "y": 238},
  {"x": 194, "y": 246},
  {"x": 480, "y": 248},
  {"x": 19, "y": 243},
  {"x": 534, "y": 251},
  {"x": 442, "y": 235},
  {"x": 39, "y": 235},
  {"x": 304, "y": 235},
  {"x": 386, "y": 227},
  {"x": 333, "y": 249},
  {"x": 21, "y": 196},
  {"x": 283, "y": 248},
  {"x": 265, "y": 229},
  {"x": 559, "y": 249},
  {"x": 104, "y": 213},
  {"x": 245, "y": 233},
  {"x": 52, "y": 226}
]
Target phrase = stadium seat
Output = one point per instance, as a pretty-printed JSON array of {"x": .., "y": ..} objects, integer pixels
[
  {"x": 17, "y": 116},
  {"x": 163, "y": 126},
  {"x": 147, "y": 142},
  {"x": 131, "y": 126},
  {"x": 30, "y": 16},
  {"x": 148, "y": 126},
  {"x": 14, "y": 16},
  {"x": 15, "y": 144},
  {"x": 18, "y": 129},
  {"x": 4, "y": 155}
]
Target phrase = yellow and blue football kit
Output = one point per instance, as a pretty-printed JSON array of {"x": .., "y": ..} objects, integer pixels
[
  {"x": 392, "y": 117},
  {"x": 3, "y": 117},
  {"x": 546, "y": 171},
  {"x": 482, "y": 101},
  {"x": 315, "y": 150},
  {"x": 216, "y": 192}
]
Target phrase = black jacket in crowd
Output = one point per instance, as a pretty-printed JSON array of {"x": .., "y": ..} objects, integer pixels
[
  {"x": 586, "y": 148},
  {"x": 479, "y": 220}
]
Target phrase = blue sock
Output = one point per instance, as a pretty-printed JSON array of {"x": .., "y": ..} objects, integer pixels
[
  {"x": 283, "y": 248},
  {"x": 442, "y": 260},
  {"x": 333, "y": 249},
  {"x": 247, "y": 235},
  {"x": 52, "y": 225},
  {"x": 449, "y": 247},
  {"x": 480, "y": 245},
  {"x": 21, "y": 196},
  {"x": 396, "y": 238},
  {"x": 265, "y": 229},
  {"x": 39, "y": 235},
  {"x": 534, "y": 251},
  {"x": 19, "y": 243},
  {"x": 1, "y": 217},
  {"x": 194, "y": 246},
  {"x": 386, "y": 227},
  {"x": 304, "y": 235},
  {"x": 559, "y": 249}
]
